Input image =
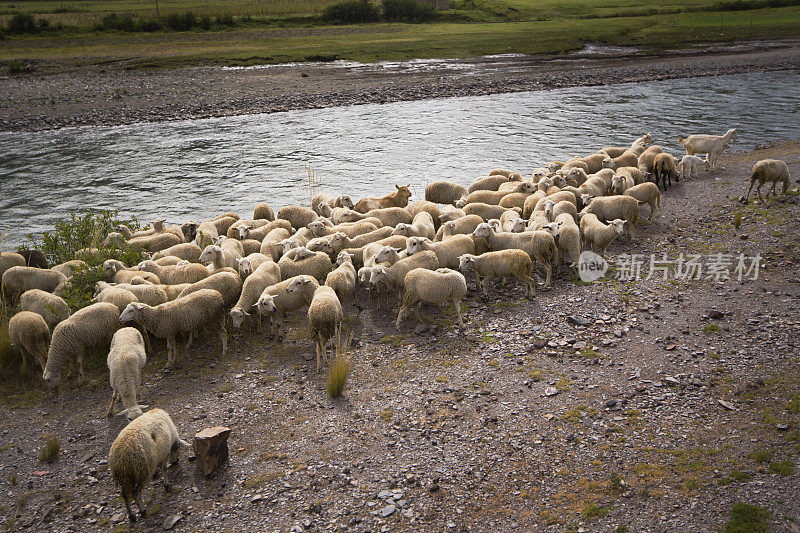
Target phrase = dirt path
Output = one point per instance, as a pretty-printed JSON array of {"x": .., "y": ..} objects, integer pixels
[
  {"x": 461, "y": 431},
  {"x": 111, "y": 94}
]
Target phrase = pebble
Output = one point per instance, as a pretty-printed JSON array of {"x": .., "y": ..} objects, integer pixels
[{"x": 388, "y": 510}]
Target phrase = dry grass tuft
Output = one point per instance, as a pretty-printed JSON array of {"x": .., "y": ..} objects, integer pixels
[
  {"x": 50, "y": 450},
  {"x": 340, "y": 366}
]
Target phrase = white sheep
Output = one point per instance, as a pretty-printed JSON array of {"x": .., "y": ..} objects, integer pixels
[
  {"x": 87, "y": 328},
  {"x": 768, "y": 170},
  {"x": 447, "y": 251},
  {"x": 10, "y": 259},
  {"x": 186, "y": 250},
  {"x": 487, "y": 183},
  {"x": 298, "y": 216},
  {"x": 68, "y": 268},
  {"x": 275, "y": 301},
  {"x": 263, "y": 211},
  {"x": 713, "y": 145},
  {"x": 568, "y": 240},
  {"x": 451, "y": 213},
  {"x": 52, "y": 308},
  {"x": 646, "y": 193},
  {"x": 271, "y": 245},
  {"x": 597, "y": 235},
  {"x": 215, "y": 257},
  {"x": 485, "y": 211},
  {"x": 343, "y": 278},
  {"x": 433, "y": 287},
  {"x": 421, "y": 226},
  {"x": 186, "y": 315},
  {"x": 322, "y": 227},
  {"x": 175, "y": 274},
  {"x": 553, "y": 209},
  {"x": 18, "y": 279},
  {"x": 500, "y": 264},
  {"x": 28, "y": 332},
  {"x": 146, "y": 292},
  {"x": 303, "y": 261},
  {"x": 621, "y": 183},
  {"x": 690, "y": 164},
  {"x": 539, "y": 245},
  {"x": 125, "y": 361},
  {"x": 444, "y": 192},
  {"x": 324, "y": 317},
  {"x": 665, "y": 168},
  {"x": 647, "y": 159},
  {"x": 227, "y": 283},
  {"x": 463, "y": 225},
  {"x": 389, "y": 216},
  {"x": 608, "y": 208},
  {"x": 268, "y": 273},
  {"x": 321, "y": 200},
  {"x": 394, "y": 275},
  {"x": 116, "y": 295},
  {"x": 143, "y": 446},
  {"x": 511, "y": 221},
  {"x": 116, "y": 272},
  {"x": 246, "y": 265}
]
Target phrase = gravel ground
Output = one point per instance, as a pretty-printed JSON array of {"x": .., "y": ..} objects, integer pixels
[
  {"x": 110, "y": 94},
  {"x": 641, "y": 410}
]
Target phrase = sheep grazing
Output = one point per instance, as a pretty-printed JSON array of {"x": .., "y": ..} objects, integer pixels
[
  {"x": 398, "y": 198},
  {"x": 175, "y": 274},
  {"x": 664, "y": 168},
  {"x": 87, "y": 328},
  {"x": 646, "y": 193},
  {"x": 597, "y": 235},
  {"x": 713, "y": 145},
  {"x": 447, "y": 251},
  {"x": 146, "y": 444},
  {"x": 69, "y": 268},
  {"x": 263, "y": 211},
  {"x": 28, "y": 332},
  {"x": 186, "y": 315},
  {"x": 500, "y": 264},
  {"x": 433, "y": 287},
  {"x": 690, "y": 164},
  {"x": 116, "y": 295},
  {"x": 18, "y": 279},
  {"x": 324, "y": 317},
  {"x": 608, "y": 208},
  {"x": 228, "y": 284},
  {"x": 125, "y": 361},
  {"x": 52, "y": 308},
  {"x": 276, "y": 301},
  {"x": 539, "y": 245},
  {"x": 8, "y": 260},
  {"x": 768, "y": 170},
  {"x": 266, "y": 274},
  {"x": 444, "y": 192},
  {"x": 343, "y": 278}
]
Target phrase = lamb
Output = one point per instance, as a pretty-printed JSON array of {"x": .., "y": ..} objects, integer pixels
[
  {"x": 485, "y": 211},
  {"x": 324, "y": 317},
  {"x": 568, "y": 238},
  {"x": 8, "y": 260},
  {"x": 18, "y": 279},
  {"x": 263, "y": 211},
  {"x": 69, "y": 268},
  {"x": 689, "y": 165},
  {"x": 186, "y": 315},
  {"x": 216, "y": 257},
  {"x": 87, "y": 328},
  {"x": 444, "y": 192},
  {"x": 713, "y": 145},
  {"x": 463, "y": 225},
  {"x": 276, "y": 301},
  {"x": 29, "y": 332},
  {"x": 552, "y": 209},
  {"x": 317, "y": 265},
  {"x": 175, "y": 274},
  {"x": 487, "y": 183},
  {"x": 447, "y": 251},
  {"x": 297, "y": 216},
  {"x": 399, "y": 198},
  {"x": 186, "y": 250},
  {"x": 646, "y": 193},
  {"x": 664, "y": 168},
  {"x": 52, "y": 308},
  {"x": 608, "y": 208},
  {"x": 343, "y": 278},
  {"x": 768, "y": 170},
  {"x": 125, "y": 360},
  {"x": 390, "y": 216},
  {"x": 647, "y": 159},
  {"x": 228, "y": 284},
  {"x": 421, "y": 226},
  {"x": 394, "y": 275},
  {"x": 115, "y": 295},
  {"x": 147, "y": 293},
  {"x": 116, "y": 272},
  {"x": 500, "y": 264},
  {"x": 598, "y": 235},
  {"x": 539, "y": 245},
  {"x": 264, "y": 276},
  {"x": 621, "y": 183},
  {"x": 433, "y": 287},
  {"x": 144, "y": 445},
  {"x": 247, "y": 265}
]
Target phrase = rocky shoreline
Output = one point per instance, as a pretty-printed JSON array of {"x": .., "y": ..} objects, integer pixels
[{"x": 108, "y": 96}]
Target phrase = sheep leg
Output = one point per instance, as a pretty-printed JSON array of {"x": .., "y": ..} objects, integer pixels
[
  {"x": 223, "y": 337},
  {"x": 747, "y": 198},
  {"x": 131, "y": 515},
  {"x": 79, "y": 360},
  {"x": 772, "y": 190},
  {"x": 548, "y": 270},
  {"x": 317, "y": 343},
  {"x": 163, "y": 468},
  {"x": 758, "y": 190},
  {"x": 483, "y": 282},
  {"x": 399, "y": 318},
  {"x": 111, "y": 405},
  {"x": 419, "y": 318},
  {"x": 170, "y": 351},
  {"x": 138, "y": 497},
  {"x": 457, "y": 305},
  {"x": 530, "y": 284}
]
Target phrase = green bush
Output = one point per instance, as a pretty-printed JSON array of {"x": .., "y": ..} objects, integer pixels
[
  {"x": 225, "y": 19},
  {"x": 181, "y": 21},
  {"x": 16, "y": 66},
  {"x": 22, "y": 23},
  {"x": 149, "y": 24},
  {"x": 204, "y": 22},
  {"x": 117, "y": 21},
  {"x": 350, "y": 11},
  {"x": 407, "y": 11}
]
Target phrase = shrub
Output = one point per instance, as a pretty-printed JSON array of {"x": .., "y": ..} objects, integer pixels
[
  {"x": 407, "y": 11},
  {"x": 18, "y": 67},
  {"x": 117, "y": 21},
  {"x": 49, "y": 451},
  {"x": 747, "y": 518},
  {"x": 339, "y": 368},
  {"x": 22, "y": 23},
  {"x": 225, "y": 19},
  {"x": 181, "y": 21},
  {"x": 350, "y": 11},
  {"x": 205, "y": 22}
]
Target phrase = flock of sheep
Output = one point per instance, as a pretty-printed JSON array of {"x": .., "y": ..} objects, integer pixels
[{"x": 269, "y": 266}]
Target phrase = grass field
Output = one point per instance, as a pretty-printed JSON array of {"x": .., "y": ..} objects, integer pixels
[{"x": 278, "y": 30}]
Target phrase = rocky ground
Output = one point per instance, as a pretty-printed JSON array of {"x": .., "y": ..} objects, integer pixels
[
  {"x": 649, "y": 405},
  {"x": 120, "y": 93}
]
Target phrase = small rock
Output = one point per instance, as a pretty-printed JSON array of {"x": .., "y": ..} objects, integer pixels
[
  {"x": 171, "y": 520},
  {"x": 670, "y": 347},
  {"x": 727, "y": 405},
  {"x": 550, "y": 391},
  {"x": 388, "y": 511},
  {"x": 715, "y": 314},
  {"x": 577, "y": 320},
  {"x": 211, "y": 448},
  {"x": 782, "y": 427}
]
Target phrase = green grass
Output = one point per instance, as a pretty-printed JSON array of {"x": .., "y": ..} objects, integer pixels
[
  {"x": 523, "y": 26},
  {"x": 50, "y": 449},
  {"x": 760, "y": 456},
  {"x": 711, "y": 328},
  {"x": 736, "y": 476},
  {"x": 592, "y": 510},
  {"x": 747, "y": 518},
  {"x": 784, "y": 468},
  {"x": 339, "y": 368}
]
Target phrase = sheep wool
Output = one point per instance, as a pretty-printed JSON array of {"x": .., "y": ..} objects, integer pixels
[
  {"x": 125, "y": 361},
  {"x": 324, "y": 318},
  {"x": 434, "y": 287},
  {"x": 51, "y": 307},
  {"x": 18, "y": 279},
  {"x": 28, "y": 332}
]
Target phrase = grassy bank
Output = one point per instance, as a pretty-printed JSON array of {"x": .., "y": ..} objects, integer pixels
[{"x": 276, "y": 32}]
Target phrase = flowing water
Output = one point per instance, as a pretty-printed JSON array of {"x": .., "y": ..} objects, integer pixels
[{"x": 197, "y": 168}]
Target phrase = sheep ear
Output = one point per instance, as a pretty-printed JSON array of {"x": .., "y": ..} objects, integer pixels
[
  {"x": 398, "y": 250},
  {"x": 397, "y": 186}
]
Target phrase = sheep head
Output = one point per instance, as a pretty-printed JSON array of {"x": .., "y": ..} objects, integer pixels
[
  {"x": 237, "y": 316},
  {"x": 211, "y": 252},
  {"x": 466, "y": 261},
  {"x": 265, "y": 304},
  {"x": 619, "y": 225},
  {"x": 344, "y": 257},
  {"x": 377, "y": 274},
  {"x": 132, "y": 312},
  {"x": 482, "y": 230}
]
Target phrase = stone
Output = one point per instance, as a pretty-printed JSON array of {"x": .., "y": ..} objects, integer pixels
[
  {"x": 211, "y": 448},
  {"x": 550, "y": 391},
  {"x": 577, "y": 320},
  {"x": 388, "y": 511},
  {"x": 782, "y": 427},
  {"x": 171, "y": 520},
  {"x": 727, "y": 405},
  {"x": 715, "y": 314}
]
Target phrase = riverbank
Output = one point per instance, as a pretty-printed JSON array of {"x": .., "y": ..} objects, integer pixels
[
  {"x": 108, "y": 95},
  {"x": 649, "y": 405}
]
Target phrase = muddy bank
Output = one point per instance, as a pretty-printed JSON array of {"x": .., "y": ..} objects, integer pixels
[{"x": 111, "y": 95}]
